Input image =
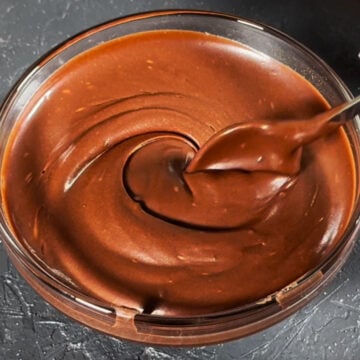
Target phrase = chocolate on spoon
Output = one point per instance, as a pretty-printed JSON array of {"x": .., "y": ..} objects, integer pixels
[{"x": 268, "y": 145}]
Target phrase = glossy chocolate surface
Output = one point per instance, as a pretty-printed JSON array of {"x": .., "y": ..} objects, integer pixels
[{"x": 96, "y": 182}]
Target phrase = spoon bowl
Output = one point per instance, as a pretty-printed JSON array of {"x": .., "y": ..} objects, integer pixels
[{"x": 269, "y": 145}]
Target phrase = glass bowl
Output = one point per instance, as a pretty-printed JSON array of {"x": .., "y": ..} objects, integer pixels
[{"x": 125, "y": 323}]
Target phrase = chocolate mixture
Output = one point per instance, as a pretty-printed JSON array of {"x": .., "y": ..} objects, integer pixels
[{"x": 99, "y": 183}]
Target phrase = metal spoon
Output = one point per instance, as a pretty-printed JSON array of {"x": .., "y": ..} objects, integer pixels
[{"x": 268, "y": 145}]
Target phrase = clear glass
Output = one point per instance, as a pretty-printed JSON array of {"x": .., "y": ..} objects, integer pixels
[{"x": 196, "y": 330}]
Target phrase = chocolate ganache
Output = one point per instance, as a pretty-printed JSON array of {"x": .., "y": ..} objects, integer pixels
[{"x": 100, "y": 186}]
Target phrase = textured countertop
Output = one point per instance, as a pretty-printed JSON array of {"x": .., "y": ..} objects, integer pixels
[{"x": 327, "y": 328}]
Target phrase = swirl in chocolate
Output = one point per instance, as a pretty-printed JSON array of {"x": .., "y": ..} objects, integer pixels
[{"x": 95, "y": 180}]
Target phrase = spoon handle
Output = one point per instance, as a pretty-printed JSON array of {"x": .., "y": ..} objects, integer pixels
[{"x": 344, "y": 112}]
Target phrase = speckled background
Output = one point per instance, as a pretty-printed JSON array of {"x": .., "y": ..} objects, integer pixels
[{"x": 328, "y": 328}]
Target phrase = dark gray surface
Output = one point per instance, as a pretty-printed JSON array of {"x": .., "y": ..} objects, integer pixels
[{"x": 328, "y": 328}]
